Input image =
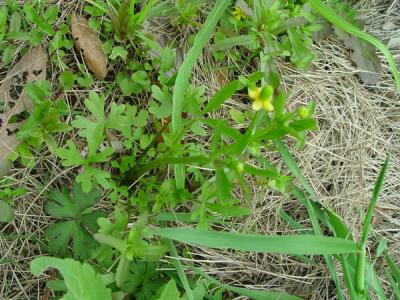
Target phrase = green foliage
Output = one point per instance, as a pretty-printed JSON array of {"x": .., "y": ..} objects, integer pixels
[
  {"x": 169, "y": 291},
  {"x": 152, "y": 116},
  {"x": 133, "y": 243},
  {"x": 81, "y": 280},
  {"x": 6, "y": 211},
  {"x": 329, "y": 14},
  {"x": 77, "y": 221},
  {"x": 46, "y": 117},
  {"x": 290, "y": 244},
  {"x": 67, "y": 80},
  {"x": 361, "y": 258},
  {"x": 281, "y": 28}
]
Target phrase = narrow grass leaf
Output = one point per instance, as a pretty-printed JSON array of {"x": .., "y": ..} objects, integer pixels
[
  {"x": 252, "y": 294},
  {"x": 179, "y": 269},
  {"x": 184, "y": 218},
  {"x": 393, "y": 284},
  {"x": 182, "y": 80},
  {"x": 329, "y": 14},
  {"x": 374, "y": 282},
  {"x": 393, "y": 268},
  {"x": 221, "y": 96},
  {"x": 361, "y": 257},
  {"x": 374, "y": 199},
  {"x": 285, "y": 244},
  {"x": 314, "y": 212}
]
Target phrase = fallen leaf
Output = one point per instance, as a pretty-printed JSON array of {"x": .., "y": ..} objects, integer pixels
[
  {"x": 13, "y": 99},
  {"x": 221, "y": 75},
  {"x": 380, "y": 214},
  {"x": 365, "y": 57},
  {"x": 363, "y": 54},
  {"x": 323, "y": 33},
  {"x": 87, "y": 41},
  {"x": 394, "y": 43}
]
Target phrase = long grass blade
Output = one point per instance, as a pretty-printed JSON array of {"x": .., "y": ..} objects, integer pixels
[
  {"x": 393, "y": 284},
  {"x": 312, "y": 211},
  {"x": 393, "y": 268},
  {"x": 179, "y": 269},
  {"x": 182, "y": 80},
  {"x": 361, "y": 258},
  {"x": 285, "y": 244},
  {"x": 252, "y": 294},
  {"x": 329, "y": 14}
]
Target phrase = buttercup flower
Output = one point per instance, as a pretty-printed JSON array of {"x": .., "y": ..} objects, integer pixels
[
  {"x": 262, "y": 97},
  {"x": 238, "y": 13}
]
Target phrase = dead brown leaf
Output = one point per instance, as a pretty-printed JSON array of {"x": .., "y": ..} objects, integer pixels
[
  {"x": 380, "y": 214},
  {"x": 87, "y": 41},
  {"x": 221, "y": 76},
  {"x": 13, "y": 99}
]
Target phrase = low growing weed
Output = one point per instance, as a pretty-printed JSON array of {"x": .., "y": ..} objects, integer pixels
[{"x": 149, "y": 153}]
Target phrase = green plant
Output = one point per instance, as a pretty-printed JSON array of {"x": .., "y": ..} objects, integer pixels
[
  {"x": 81, "y": 280},
  {"x": 145, "y": 115},
  {"x": 77, "y": 221},
  {"x": 46, "y": 117}
]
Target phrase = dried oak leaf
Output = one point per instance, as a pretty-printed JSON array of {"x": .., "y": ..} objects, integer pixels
[
  {"x": 13, "y": 99},
  {"x": 87, "y": 41}
]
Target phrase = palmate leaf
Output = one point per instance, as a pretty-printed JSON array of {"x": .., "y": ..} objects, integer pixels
[
  {"x": 76, "y": 224},
  {"x": 61, "y": 234}
]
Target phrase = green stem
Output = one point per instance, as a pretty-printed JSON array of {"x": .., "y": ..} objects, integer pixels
[
  {"x": 141, "y": 170},
  {"x": 329, "y": 14}
]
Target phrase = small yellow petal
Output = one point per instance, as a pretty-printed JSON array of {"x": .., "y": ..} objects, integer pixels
[
  {"x": 267, "y": 105},
  {"x": 254, "y": 93},
  {"x": 257, "y": 105}
]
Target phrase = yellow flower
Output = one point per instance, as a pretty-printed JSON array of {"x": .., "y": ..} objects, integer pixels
[
  {"x": 257, "y": 105},
  {"x": 254, "y": 92},
  {"x": 239, "y": 13},
  {"x": 262, "y": 98}
]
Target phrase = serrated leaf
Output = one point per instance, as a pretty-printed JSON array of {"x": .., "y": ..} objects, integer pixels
[
  {"x": 164, "y": 98},
  {"x": 31, "y": 67},
  {"x": 87, "y": 41},
  {"x": 77, "y": 221},
  {"x": 67, "y": 80},
  {"x": 70, "y": 155},
  {"x": 302, "y": 54},
  {"x": 81, "y": 280},
  {"x": 119, "y": 51},
  {"x": 32, "y": 15},
  {"x": 90, "y": 176}
]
